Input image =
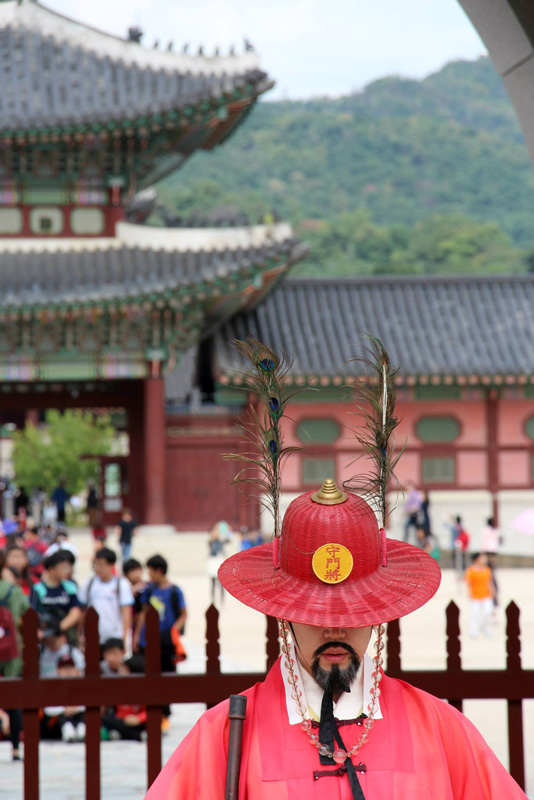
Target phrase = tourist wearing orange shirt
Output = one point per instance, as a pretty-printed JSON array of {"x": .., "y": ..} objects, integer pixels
[{"x": 478, "y": 579}]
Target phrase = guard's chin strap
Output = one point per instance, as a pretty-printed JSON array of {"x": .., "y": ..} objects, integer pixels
[{"x": 328, "y": 732}]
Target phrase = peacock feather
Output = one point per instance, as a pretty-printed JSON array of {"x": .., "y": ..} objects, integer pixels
[
  {"x": 375, "y": 404},
  {"x": 262, "y": 432}
]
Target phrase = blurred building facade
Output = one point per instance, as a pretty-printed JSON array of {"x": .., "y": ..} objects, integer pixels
[
  {"x": 465, "y": 389},
  {"x": 94, "y": 305}
]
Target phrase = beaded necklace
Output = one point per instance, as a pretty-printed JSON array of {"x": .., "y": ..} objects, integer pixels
[{"x": 339, "y": 755}]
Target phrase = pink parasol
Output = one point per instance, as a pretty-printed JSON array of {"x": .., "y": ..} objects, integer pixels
[{"x": 524, "y": 523}]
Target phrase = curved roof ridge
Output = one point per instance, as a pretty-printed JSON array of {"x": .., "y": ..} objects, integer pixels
[
  {"x": 404, "y": 279},
  {"x": 37, "y": 18}
]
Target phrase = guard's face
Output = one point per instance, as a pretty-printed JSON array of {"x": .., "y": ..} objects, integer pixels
[{"x": 329, "y": 646}]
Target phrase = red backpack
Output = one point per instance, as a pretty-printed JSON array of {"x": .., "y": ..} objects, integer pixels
[{"x": 9, "y": 647}]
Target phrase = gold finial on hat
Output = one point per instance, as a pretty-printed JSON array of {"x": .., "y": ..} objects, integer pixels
[{"x": 329, "y": 494}]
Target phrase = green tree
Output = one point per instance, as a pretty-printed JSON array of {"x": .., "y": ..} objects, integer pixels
[
  {"x": 402, "y": 150},
  {"x": 42, "y": 455},
  {"x": 454, "y": 244}
]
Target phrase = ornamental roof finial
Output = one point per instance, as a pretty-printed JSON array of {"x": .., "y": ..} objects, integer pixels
[{"x": 329, "y": 494}]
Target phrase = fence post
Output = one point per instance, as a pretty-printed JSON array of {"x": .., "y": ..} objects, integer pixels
[
  {"x": 393, "y": 649},
  {"x": 273, "y": 645},
  {"x": 30, "y": 672},
  {"x": 213, "y": 649},
  {"x": 515, "y": 707},
  {"x": 153, "y": 670},
  {"x": 454, "y": 658},
  {"x": 92, "y": 713}
]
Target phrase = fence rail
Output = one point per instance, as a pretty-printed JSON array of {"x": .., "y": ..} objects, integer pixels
[{"x": 30, "y": 693}]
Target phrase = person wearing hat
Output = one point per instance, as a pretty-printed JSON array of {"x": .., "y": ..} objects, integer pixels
[
  {"x": 327, "y": 722},
  {"x": 327, "y": 709}
]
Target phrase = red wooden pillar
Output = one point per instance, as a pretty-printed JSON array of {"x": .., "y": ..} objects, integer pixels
[
  {"x": 154, "y": 429},
  {"x": 136, "y": 456},
  {"x": 492, "y": 422}
]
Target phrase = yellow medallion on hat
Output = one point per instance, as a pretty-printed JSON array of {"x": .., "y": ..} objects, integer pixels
[{"x": 332, "y": 563}]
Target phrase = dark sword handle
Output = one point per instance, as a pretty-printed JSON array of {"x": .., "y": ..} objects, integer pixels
[{"x": 236, "y": 714}]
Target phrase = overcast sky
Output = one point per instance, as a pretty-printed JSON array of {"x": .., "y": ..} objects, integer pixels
[{"x": 310, "y": 47}]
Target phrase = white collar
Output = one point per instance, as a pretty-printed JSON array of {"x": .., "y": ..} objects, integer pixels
[{"x": 349, "y": 706}]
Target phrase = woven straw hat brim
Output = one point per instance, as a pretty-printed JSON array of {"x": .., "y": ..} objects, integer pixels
[{"x": 409, "y": 580}]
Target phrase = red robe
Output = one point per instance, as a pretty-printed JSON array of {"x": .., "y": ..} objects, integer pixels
[{"x": 422, "y": 749}]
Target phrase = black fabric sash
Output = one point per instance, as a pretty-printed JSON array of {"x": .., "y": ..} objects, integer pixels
[{"x": 330, "y": 736}]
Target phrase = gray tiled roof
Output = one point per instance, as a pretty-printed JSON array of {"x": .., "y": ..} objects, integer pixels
[
  {"x": 46, "y": 82},
  {"x": 430, "y": 325},
  {"x": 38, "y": 278}
]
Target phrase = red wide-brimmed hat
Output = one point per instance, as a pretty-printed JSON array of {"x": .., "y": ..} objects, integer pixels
[{"x": 332, "y": 567}]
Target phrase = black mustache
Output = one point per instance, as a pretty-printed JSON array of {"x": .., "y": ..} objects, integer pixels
[{"x": 329, "y": 645}]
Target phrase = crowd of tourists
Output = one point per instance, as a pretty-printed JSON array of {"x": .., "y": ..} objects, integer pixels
[
  {"x": 38, "y": 569},
  {"x": 478, "y": 569}
]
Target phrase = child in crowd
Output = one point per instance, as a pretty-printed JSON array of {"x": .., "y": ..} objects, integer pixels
[
  {"x": 169, "y": 602},
  {"x": 110, "y": 596},
  {"x": 246, "y": 538},
  {"x": 219, "y": 537},
  {"x": 126, "y": 721},
  {"x": 13, "y": 604},
  {"x": 54, "y": 647},
  {"x": 16, "y": 561},
  {"x": 70, "y": 561},
  {"x": 64, "y": 722},
  {"x": 61, "y": 542},
  {"x": 35, "y": 548},
  {"x": 49, "y": 514},
  {"x": 125, "y": 530},
  {"x": 478, "y": 579},
  {"x": 133, "y": 572},
  {"x": 55, "y": 596},
  {"x": 112, "y": 657},
  {"x": 100, "y": 536}
]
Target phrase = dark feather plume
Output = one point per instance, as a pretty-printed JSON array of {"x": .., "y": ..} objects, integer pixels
[
  {"x": 260, "y": 477},
  {"x": 375, "y": 403}
]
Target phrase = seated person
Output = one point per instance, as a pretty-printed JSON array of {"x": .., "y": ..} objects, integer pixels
[
  {"x": 54, "y": 646},
  {"x": 126, "y": 721},
  {"x": 112, "y": 657},
  {"x": 64, "y": 722}
]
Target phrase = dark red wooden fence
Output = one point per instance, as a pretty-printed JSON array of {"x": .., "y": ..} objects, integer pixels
[{"x": 30, "y": 693}]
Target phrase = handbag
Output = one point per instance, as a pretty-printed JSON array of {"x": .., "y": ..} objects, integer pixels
[{"x": 179, "y": 649}]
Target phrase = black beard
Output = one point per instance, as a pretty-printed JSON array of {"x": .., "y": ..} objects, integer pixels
[{"x": 335, "y": 680}]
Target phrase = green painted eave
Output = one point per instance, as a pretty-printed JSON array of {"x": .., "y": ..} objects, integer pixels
[
  {"x": 424, "y": 387},
  {"x": 203, "y": 111}
]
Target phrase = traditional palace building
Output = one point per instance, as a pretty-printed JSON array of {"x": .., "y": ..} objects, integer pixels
[
  {"x": 465, "y": 392},
  {"x": 98, "y": 310},
  {"x": 94, "y": 309}
]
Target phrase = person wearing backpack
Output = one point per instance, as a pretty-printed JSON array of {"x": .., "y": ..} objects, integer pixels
[
  {"x": 13, "y": 604},
  {"x": 169, "y": 602},
  {"x": 55, "y": 596},
  {"x": 110, "y": 596}
]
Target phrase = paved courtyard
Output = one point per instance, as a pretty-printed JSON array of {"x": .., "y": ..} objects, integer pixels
[{"x": 242, "y": 647}]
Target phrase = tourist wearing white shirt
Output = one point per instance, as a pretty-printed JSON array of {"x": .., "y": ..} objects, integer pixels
[{"x": 110, "y": 596}]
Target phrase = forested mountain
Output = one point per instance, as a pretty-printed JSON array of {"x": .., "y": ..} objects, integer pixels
[{"x": 405, "y": 176}]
